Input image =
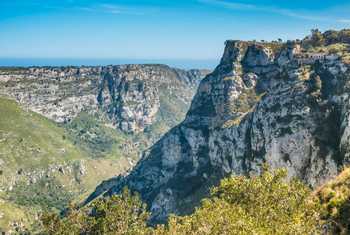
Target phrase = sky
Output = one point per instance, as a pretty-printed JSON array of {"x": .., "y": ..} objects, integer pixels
[{"x": 181, "y": 30}]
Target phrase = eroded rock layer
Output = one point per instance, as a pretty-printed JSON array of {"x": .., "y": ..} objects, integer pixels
[
  {"x": 264, "y": 103},
  {"x": 128, "y": 95}
]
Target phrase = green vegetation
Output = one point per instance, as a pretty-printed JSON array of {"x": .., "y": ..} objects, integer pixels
[
  {"x": 4, "y": 69},
  {"x": 11, "y": 212},
  {"x": 335, "y": 201},
  {"x": 172, "y": 111},
  {"x": 274, "y": 46},
  {"x": 29, "y": 141},
  {"x": 329, "y": 42},
  {"x": 315, "y": 85},
  {"x": 120, "y": 214},
  {"x": 44, "y": 194},
  {"x": 241, "y": 106},
  {"x": 317, "y": 38},
  {"x": 333, "y": 36},
  {"x": 92, "y": 135},
  {"x": 340, "y": 49},
  {"x": 264, "y": 204},
  {"x": 245, "y": 102},
  {"x": 233, "y": 122},
  {"x": 44, "y": 166},
  {"x": 257, "y": 205},
  {"x": 337, "y": 48}
]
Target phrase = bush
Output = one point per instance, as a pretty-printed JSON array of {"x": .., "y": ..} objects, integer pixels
[
  {"x": 265, "y": 204},
  {"x": 315, "y": 84},
  {"x": 335, "y": 200},
  {"x": 44, "y": 194},
  {"x": 120, "y": 214}
]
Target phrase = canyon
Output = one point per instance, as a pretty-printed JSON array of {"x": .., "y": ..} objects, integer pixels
[
  {"x": 63, "y": 130},
  {"x": 261, "y": 105}
]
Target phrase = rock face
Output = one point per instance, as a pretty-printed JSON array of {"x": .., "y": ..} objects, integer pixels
[
  {"x": 46, "y": 165},
  {"x": 131, "y": 94},
  {"x": 260, "y": 105},
  {"x": 128, "y": 95},
  {"x": 56, "y": 93}
]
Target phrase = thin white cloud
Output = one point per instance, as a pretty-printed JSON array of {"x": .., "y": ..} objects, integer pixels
[
  {"x": 344, "y": 21},
  {"x": 86, "y": 9},
  {"x": 275, "y": 10},
  {"x": 113, "y": 9},
  {"x": 116, "y": 9},
  {"x": 231, "y": 5}
]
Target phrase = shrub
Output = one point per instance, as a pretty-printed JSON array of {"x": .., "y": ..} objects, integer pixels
[
  {"x": 119, "y": 214},
  {"x": 317, "y": 38},
  {"x": 335, "y": 201},
  {"x": 264, "y": 204},
  {"x": 315, "y": 84}
]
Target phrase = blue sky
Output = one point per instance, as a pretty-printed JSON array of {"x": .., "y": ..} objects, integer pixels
[{"x": 155, "y": 29}]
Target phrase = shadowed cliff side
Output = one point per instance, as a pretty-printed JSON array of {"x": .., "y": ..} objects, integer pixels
[{"x": 264, "y": 103}]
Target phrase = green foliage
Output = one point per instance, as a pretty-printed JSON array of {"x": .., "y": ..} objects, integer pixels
[
  {"x": 245, "y": 102},
  {"x": 321, "y": 42},
  {"x": 90, "y": 134},
  {"x": 317, "y": 38},
  {"x": 331, "y": 36},
  {"x": 30, "y": 141},
  {"x": 335, "y": 201},
  {"x": 171, "y": 112},
  {"x": 11, "y": 212},
  {"x": 9, "y": 70},
  {"x": 32, "y": 148},
  {"x": 275, "y": 46},
  {"x": 344, "y": 36},
  {"x": 337, "y": 48},
  {"x": 120, "y": 214},
  {"x": 172, "y": 108},
  {"x": 315, "y": 84},
  {"x": 44, "y": 194},
  {"x": 265, "y": 204}
]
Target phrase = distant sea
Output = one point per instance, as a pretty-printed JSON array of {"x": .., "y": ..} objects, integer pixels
[{"x": 177, "y": 63}]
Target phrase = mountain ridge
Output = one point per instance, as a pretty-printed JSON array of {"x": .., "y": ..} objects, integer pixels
[
  {"x": 284, "y": 104},
  {"x": 61, "y": 129},
  {"x": 71, "y": 90}
]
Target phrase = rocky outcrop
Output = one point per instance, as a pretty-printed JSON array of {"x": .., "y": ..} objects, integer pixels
[
  {"x": 131, "y": 94},
  {"x": 259, "y": 106},
  {"x": 57, "y": 93},
  {"x": 128, "y": 95}
]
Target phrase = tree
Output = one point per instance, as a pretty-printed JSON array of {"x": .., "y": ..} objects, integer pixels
[
  {"x": 264, "y": 204},
  {"x": 317, "y": 38},
  {"x": 119, "y": 214},
  {"x": 315, "y": 84},
  {"x": 331, "y": 37},
  {"x": 344, "y": 35},
  {"x": 335, "y": 201}
]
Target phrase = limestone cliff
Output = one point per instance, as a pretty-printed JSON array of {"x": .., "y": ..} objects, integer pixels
[
  {"x": 132, "y": 95},
  {"x": 265, "y": 102},
  {"x": 97, "y": 122},
  {"x": 128, "y": 95}
]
